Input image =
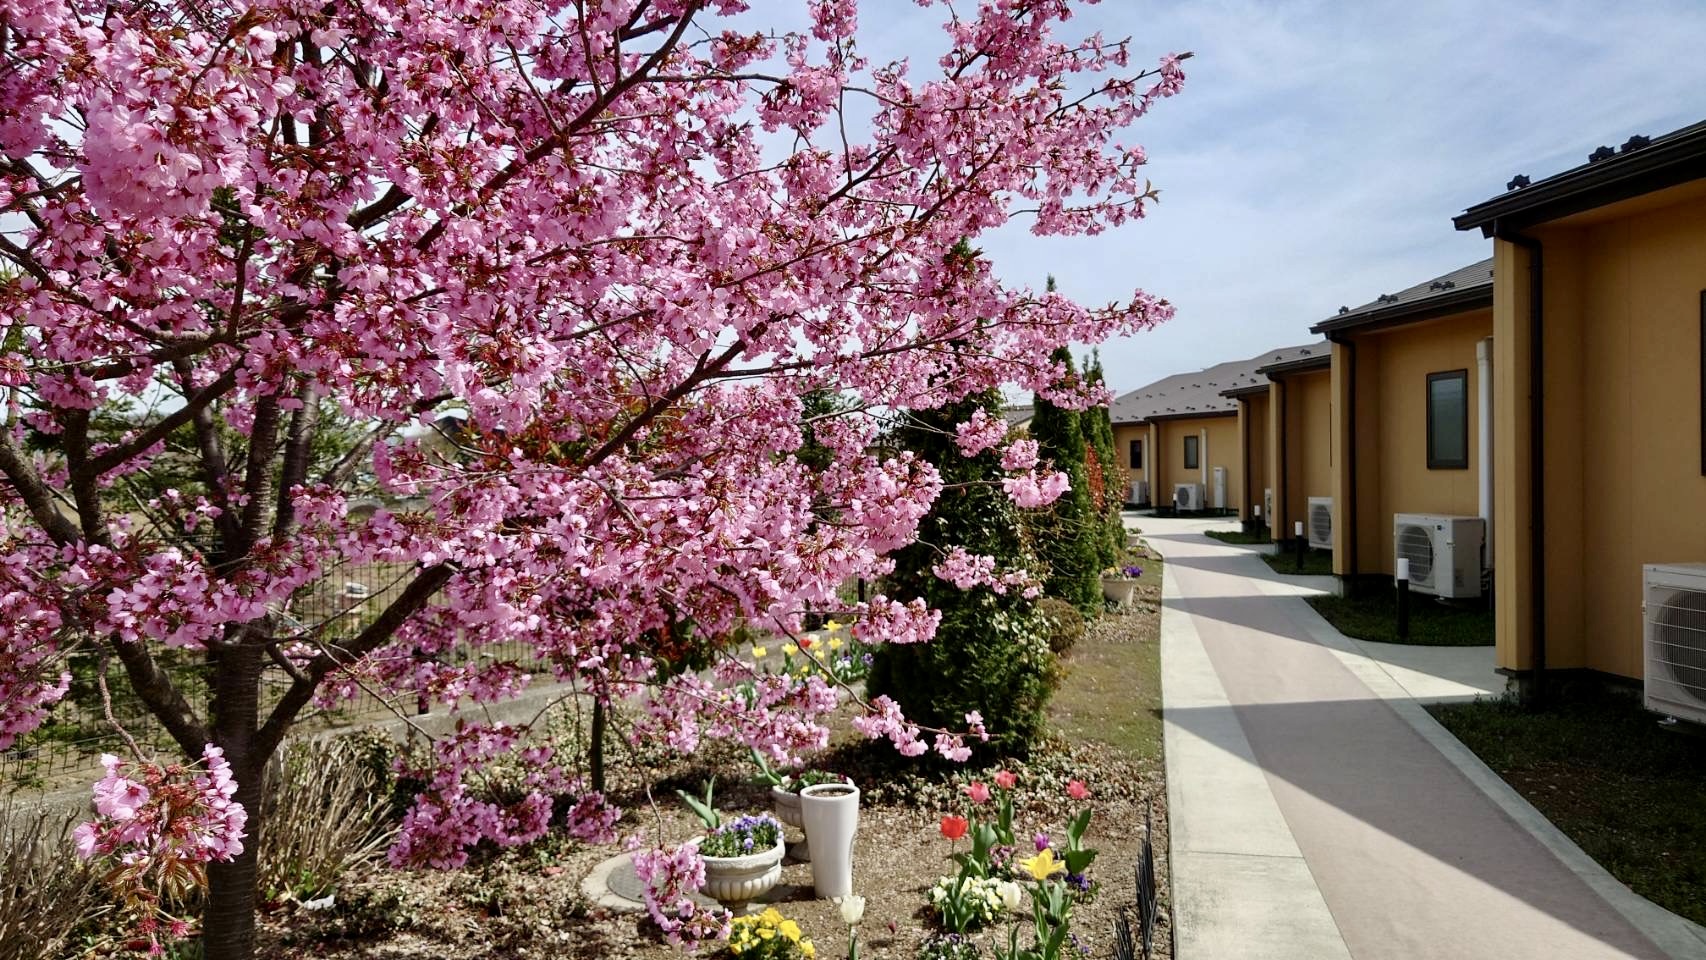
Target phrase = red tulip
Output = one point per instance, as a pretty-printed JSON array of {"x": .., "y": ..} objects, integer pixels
[
  {"x": 1006, "y": 780},
  {"x": 978, "y": 792},
  {"x": 954, "y": 827},
  {"x": 1077, "y": 790},
  {"x": 806, "y": 643}
]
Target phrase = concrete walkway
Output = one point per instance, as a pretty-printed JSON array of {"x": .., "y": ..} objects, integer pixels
[{"x": 1319, "y": 813}]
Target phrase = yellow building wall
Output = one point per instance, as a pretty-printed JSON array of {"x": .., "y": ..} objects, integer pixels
[
  {"x": 1623, "y": 432},
  {"x": 1392, "y": 465},
  {"x": 1124, "y": 434},
  {"x": 1223, "y": 450},
  {"x": 1308, "y": 455}
]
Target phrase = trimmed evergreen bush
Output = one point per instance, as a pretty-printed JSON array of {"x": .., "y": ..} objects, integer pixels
[
  {"x": 1066, "y": 625},
  {"x": 1070, "y": 532},
  {"x": 991, "y": 651},
  {"x": 1110, "y": 491}
]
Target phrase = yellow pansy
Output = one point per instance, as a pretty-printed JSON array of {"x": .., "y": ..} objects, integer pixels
[
  {"x": 1043, "y": 865},
  {"x": 771, "y": 916},
  {"x": 759, "y": 653},
  {"x": 790, "y": 929},
  {"x": 807, "y": 950}
]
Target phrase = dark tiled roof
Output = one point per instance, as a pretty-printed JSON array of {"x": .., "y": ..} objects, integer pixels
[
  {"x": 1199, "y": 394},
  {"x": 1640, "y": 165},
  {"x": 1465, "y": 288}
]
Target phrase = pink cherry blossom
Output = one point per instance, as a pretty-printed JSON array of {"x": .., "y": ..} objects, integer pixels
[{"x": 532, "y": 308}]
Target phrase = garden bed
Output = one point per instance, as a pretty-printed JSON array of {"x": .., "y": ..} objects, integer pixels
[
  {"x": 1239, "y": 537},
  {"x": 1624, "y": 788},
  {"x": 527, "y": 902}
]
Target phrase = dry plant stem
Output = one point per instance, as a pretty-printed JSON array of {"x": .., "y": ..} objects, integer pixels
[{"x": 107, "y": 710}]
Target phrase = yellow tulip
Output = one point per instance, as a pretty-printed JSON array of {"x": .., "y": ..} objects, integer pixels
[
  {"x": 758, "y": 653},
  {"x": 789, "y": 649},
  {"x": 835, "y": 643},
  {"x": 832, "y": 626},
  {"x": 1043, "y": 865}
]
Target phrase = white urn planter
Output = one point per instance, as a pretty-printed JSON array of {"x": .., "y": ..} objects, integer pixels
[
  {"x": 736, "y": 881},
  {"x": 1120, "y": 590},
  {"x": 785, "y": 804},
  {"x": 830, "y": 813}
]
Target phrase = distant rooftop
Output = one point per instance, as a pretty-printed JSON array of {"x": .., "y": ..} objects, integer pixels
[
  {"x": 1019, "y": 414},
  {"x": 1465, "y": 288},
  {"x": 1199, "y": 394}
]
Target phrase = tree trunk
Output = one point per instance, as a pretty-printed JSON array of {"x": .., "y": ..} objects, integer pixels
[
  {"x": 228, "y": 922},
  {"x": 595, "y": 749}
]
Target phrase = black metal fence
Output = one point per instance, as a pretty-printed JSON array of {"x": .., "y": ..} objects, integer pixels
[
  {"x": 1134, "y": 928},
  {"x": 77, "y": 730}
]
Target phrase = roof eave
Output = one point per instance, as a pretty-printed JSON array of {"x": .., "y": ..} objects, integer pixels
[
  {"x": 1646, "y": 170},
  {"x": 1299, "y": 365},
  {"x": 1237, "y": 393},
  {"x": 1444, "y": 305}
]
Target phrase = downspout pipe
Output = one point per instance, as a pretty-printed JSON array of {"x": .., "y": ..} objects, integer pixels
[
  {"x": 1282, "y": 483},
  {"x": 1484, "y": 405},
  {"x": 1349, "y": 531},
  {"x": 1536, "y": 448}
]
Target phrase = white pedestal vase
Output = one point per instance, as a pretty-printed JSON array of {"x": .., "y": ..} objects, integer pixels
[
  {"x": 735, "y": 881},
  {"x": 786, "y": 805},
  {"x": 830, "y": 812}
]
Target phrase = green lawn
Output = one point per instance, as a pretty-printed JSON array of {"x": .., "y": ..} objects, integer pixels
[
  {"x": 1316, "y": 563},
  {"x": 1629, "y": 792},
  {"x": 1374, "y": 616},
  {"x": 1238, "y": 537},
  {"x": 1112, "y": 690}
]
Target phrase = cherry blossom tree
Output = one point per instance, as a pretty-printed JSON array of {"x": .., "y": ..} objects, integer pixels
[{"x": 621, "y": 238}]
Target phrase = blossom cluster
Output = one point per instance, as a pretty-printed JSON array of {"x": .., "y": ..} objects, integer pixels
[{"x": 670, "y": 876}]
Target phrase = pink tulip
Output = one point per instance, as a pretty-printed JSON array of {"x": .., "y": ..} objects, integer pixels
[{"x": 978, "y": 792}]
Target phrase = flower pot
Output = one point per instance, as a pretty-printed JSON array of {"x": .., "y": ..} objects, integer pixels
[
  {"x": 1119, "y": 589},
  {"x": 786, "y": 805},
  {"x": 734, "y": 881},
  {"x": 830, "y": 812}
]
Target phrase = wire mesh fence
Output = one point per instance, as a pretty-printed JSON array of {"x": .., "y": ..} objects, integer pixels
[{"x": 336, "y": 608}]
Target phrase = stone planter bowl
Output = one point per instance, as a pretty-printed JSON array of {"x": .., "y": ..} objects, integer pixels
[
  {"x": 1119, "y": 589},
  {"x": 786, "y": 805},
  {"x": 736, "y": 881}
]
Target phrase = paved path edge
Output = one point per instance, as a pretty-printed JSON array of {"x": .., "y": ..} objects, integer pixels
[
  {"x": 1201, "y": 880},
  {"x": 1677, "y": 936}
]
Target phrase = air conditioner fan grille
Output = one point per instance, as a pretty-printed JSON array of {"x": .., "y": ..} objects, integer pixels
[
  {"x": 1678, "y": 649},
  {"x": 1416, "y": 544}
]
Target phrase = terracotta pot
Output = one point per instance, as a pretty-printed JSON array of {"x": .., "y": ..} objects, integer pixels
[
  {"x": 831, "y": 815},
  {"x": 735, "y": 881},
  {"x": 1120, "y": 590}
]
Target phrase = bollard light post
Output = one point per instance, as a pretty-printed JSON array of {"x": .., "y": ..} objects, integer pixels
[
  {"x": 1402, "y": 582},
  {"x": 1302, "y": 544}
]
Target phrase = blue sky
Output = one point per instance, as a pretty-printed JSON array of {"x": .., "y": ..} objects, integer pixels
[{"x": 1320, "y": 148}]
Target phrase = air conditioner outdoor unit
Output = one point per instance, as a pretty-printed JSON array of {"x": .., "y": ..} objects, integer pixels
[
  {"x": 1140, "y": 491},
  {"x": 1320, "y": 525},
  {"x": 1187, "y": 497},
  {"x": 1444, "y": 552},
  {"x": 1220, "y": 488},
  {"x": 1673, "y": 608}
]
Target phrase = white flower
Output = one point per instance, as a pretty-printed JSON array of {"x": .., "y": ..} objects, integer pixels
[
  {"x": 1010, "y": 894},
  {"x": 852, "y": 909}
]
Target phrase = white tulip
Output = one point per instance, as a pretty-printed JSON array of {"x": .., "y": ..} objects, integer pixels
[
  {"x": 852, "y": 909},
  {"x": 1010, "y": 894}
]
